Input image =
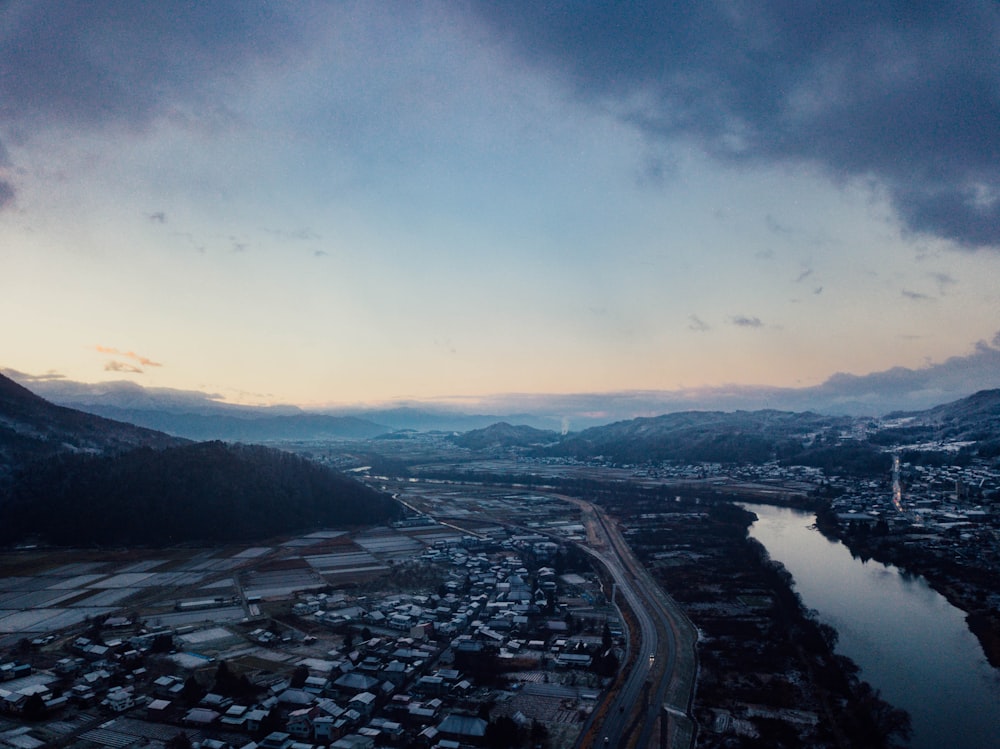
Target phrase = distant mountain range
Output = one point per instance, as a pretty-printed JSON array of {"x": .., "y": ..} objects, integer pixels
[
  {"x": 839, "y": 444},
  {"x": 202, "y": 416},
  {"x": 199, "y": 415}
]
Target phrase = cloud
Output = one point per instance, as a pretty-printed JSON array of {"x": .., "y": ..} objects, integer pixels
[
  {"x": 943, "y": 281},
  {"x": 7, "y": 194},
  {"x": 159, "y": 217},
  {"x": 803, "y": 275},
  {"x": 128, "y": 354},
  {"x": 23, "y": 377},
  {"x": 117, "y": 366},
  {"x": 905, "y": 94},
  {"x": 696, "y": 324},
  {"x": 915, "y": 295},
  {"x": 742, "y": 321},
  {"x": 90, "y": 62},
  {"x": 88, "y": 65}
]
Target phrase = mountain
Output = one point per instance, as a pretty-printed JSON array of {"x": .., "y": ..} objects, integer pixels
[
  {"x": 974, "y": 420},
  {"x": 199, "y": 416},
  {"x": 430, "y": 419},
  {"x": 980, "y": 411},
  {"x": 244, "y": 425},
  {"x": 701, "y": 436},
  {"x": 503, "y": 435},
  {"x": 207, "y": 492},
  {"x": 31, "y": 429},
  {"x": 836, "y": 443}
]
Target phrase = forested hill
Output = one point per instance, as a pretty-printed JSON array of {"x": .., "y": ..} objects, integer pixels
[
  {"x": 31, "y": 428},
  {"x": 701, "y": 436},
  {"x": 206, "y": 492},
  {"x": 503, "y": 434}
]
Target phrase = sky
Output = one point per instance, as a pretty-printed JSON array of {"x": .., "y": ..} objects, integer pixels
[{"x": 329, "y": 203}]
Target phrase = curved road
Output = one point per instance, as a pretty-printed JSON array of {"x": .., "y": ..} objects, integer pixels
[
  {"x": 658, "y": 691},
  {"x": 661, "y": 681}
]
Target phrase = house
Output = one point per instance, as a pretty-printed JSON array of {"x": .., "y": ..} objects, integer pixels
[
  {"x": 431, "y": 685},
  {"x": 364, "y": 703},
  {"x": 276, "y": 740},
  {"x": 254, "y": 718},
  {"x": 300, "y": 722},
  {"x": 200, "y": 716},
  {"x": 353, "y": 741},
  {"x": 120, "y": 699},
  {"x": 235, "y": 716},
  {"x": 463, "y": 728},
  {"x": 12, "y": 702},
  {"x": 354, "y": 683},
  {"x": 156, "y": 710}
]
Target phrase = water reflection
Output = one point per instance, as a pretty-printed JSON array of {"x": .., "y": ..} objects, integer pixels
[{"x": 910, "y": 643}]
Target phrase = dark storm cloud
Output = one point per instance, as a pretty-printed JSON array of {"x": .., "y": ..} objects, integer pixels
[
  {"x": 906, "y": 93},
  {"x": 90, "y": 62}
]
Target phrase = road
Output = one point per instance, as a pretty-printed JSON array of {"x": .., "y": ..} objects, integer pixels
[
  {"x": 652, "y": 707},
  {"x": 661, "y": 679}
]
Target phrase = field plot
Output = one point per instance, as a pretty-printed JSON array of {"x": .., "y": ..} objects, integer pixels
[
  {"x": 444, "y": 536},
  {"x": 281, "y": 583},
  {"x": 14, "y": 584},
  {"x": 123, "y": 580},
  {"x": 326, "y": 534},
  {"x": 77, "y": 581},
  {"x": 218, "y": 615},
  {"x": 76, "y": 568},
  {"x": 392, "y": 546},
  {"x": 214, "y": 636},
  {"x": 107, "y": 597},
  {"x": 126, "y": 732},
  {"x": 18, "y": 621},
  {"x": 37, "y": 599},
  {"x": 47, "y": 620},
  {"x": 143, "y": 566},
  {"x": 206, "y": 564},
  {"x": 253, "y": 552},
  {"x": 175, "y": 579}
]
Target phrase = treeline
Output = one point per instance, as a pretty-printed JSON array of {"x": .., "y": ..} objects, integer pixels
[{"x": 206, "y": 492}]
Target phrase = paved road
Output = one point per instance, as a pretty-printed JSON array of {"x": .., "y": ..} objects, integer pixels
[
  {"x": 654, "y": 702},
  {"x": 661, "y": 681}
]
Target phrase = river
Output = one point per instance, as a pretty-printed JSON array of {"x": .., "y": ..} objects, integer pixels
[{"x": 910, "y": 643}]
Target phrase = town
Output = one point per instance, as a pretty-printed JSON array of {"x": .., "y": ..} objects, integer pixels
[{"x": 477, "y": 620}]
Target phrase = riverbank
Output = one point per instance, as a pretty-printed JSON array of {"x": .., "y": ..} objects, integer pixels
[
  {"x": 908, "y": 640},
  {"x": 965, "y": 585},
  {"x": 768, "y": 671}
]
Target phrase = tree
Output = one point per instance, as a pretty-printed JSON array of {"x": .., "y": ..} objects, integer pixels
[
  {"x": 179, "y": 741},
  {"x": 192, "y": 692},
  {"x": 34, "y": 708},
  {"x": 502, "y": 733},
  {"x": 539, "y": 733},
  {"x": 162, "y": 643},
  {"x": 299, "y": 676}
]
